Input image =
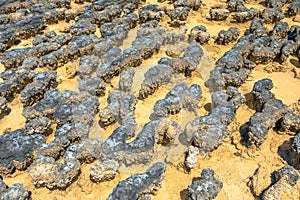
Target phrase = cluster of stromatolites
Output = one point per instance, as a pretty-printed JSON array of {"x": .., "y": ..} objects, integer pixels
[{"x": 31, "y": 74}]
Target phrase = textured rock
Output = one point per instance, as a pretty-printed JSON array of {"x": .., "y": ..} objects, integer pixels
[
  {"x": 269, "y": 111},
  {"x": 206, "y": 188},
  {"x": 16, "y": 191},
  {"x": 178, "y": 15},
  {"x": 3, "y": 105},
  {"x": 126, "y": 79},
  {"x": 191, "y": 158},
  {"x": 188, "y": 62},
  {"x": 143, "y": 147},
  {"x": 155, "y": 77},
  {"x": 39, "y": 125},
  {"x": 94, "y": 86},
  {"x": 17, "y": 150},
  {"x": 181, "y": 96},
  {"x": 120, "y": 108},
  {"x": 208, "y": 132},
  {"x": 225, "y": 37},
  {"x": 296, "y": 143},
  {"x": 271, "y": 15},
  {"x": 290, "y": 122},
  {"x": 104, "y": 170},
  {"x": 199, "y": 34},
  {"x": 138, "y": 185},
  {"x": 57, "y": 175},
  {"x": 35, "y": 91},
  {"x": 218, "y": 14},
  {"x": 294, "y": 8},
  {"x": 285, "y": 179}
]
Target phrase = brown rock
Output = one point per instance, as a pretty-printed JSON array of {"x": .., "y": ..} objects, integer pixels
[{"x": 260, "y": 180}]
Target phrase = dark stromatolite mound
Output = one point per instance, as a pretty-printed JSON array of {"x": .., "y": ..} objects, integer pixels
[
  {"x": 179, "y": 15},
  {"x": 94, "y": 86},
  {"x": 208, "y": 132},
  {"x": 281, "y": 29},
  {"x": 232, "y": 59},
  {"x": 35, "y": 91},
  {"x": 232, "y": 70},
  {"x": 3, "y": 105},
  {"x": 32, "y": 62},
  {"x": 41, "y": 38},
  {"x": 261, "y": 122},
  {"x": 126, "y": 79},
  {"x": 52, "y": 37},
  {"x": 39, "y": 125},
  {"x": 28, "y": 27},
  {"x": 13, "y": 58},
  {"x": 276, "y": 3},
  {"x": 269, "y": 111},
  {"x": 105, "y": 170},
  {"x": 294, "y": 8},
  {"x": 225, "y": 37},
  {"x": 188, "y": 62},
  {"x": 151, "y": 12},
  {"x": 266, "y": 48},
  {"x": 296, "y": 144},
  {"x": 16, "y": 150},
  {"x": 45, "y": 48},
  {"x": 7, "y": 38},
  {"x": 285, "y": 179},
  {"x": 60, "y": 175},
  {"x": 87, "y": 65},
  {"x": 117, "y": 30},
  {"x": 148, "y": 41},
  {"x": 244, "y": 45},
  {"x": 110, "y": 55},
  {"x": 79, "y": 46},
  {"x": 271, "y": 15},
  {"x": 113, "y": 30},
  {"x": 236, "y": 6},
  {"x": 47, "y": 105},
  {"x": 15, "y": 192},
  {"x": 136, "y": 186},
  {"x": 15, "y": 80},
  {"x": 206, "y": 188},
  {"x": 65, "y": 107},
  {"x": 143, "y": 147},
  {"x": 154, "y": 78},
  {"x": 80, "y": 108},
  {"x": 218, "y": 14},
  {"x": 261, "y": 93},
  {"x": 181, "y": 96},
  {"x": 64, "y": 136},
  {"x": 290, "y": 122},
  {"x": 289, "y": 48},
  {"x": 120, "y": 108},
  {"x": 194, "y": 4},
  {"x": 174, "y": 51},
  {"x": 257, "y": 27},
  {"x": 247, "y": 15},
  {"x": 86, "y": 151},
  {"x": 82, "y": 27},
  {"x": 199, "y": 34}
]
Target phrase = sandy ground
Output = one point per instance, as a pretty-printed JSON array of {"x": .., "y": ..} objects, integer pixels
[{"x": 233, "y": 163}]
